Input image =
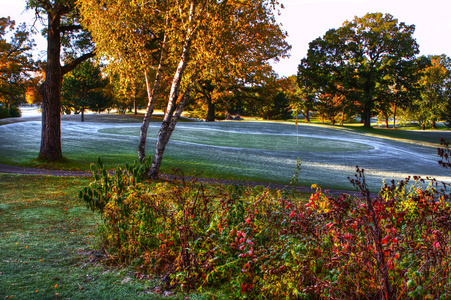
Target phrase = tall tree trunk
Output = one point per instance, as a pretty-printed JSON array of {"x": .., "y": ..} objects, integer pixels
[
  {"x": 394, "y": 117},
  {"x": 307, "y": 115},
  {"x": 160, "y": 144},
  {"x": 51, "y": 95},
  {"x": 211, "y": 110},
  {"x": 151, "y": 96},
  {"x": 367, "y": 114},
  {"x": 51, "y": 88},
  {"x": 82, "y": 113},
  {"x": 135, "y": 108}
]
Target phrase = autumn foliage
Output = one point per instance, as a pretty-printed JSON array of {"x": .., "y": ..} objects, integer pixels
[{"x": 393, "y": 245}]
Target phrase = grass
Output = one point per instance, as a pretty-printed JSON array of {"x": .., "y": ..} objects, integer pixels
[
  {"x": 412, "y": 133},
  {"x": 249, "y": 150},
  {"x": 48, "y": 248}
]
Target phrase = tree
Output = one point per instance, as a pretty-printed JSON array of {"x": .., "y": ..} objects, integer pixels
[
  {"x": 331, "y": 107},
  {"x": 358, "y": 57},
  {"x": 85, "y": 88},
  {"x": 270, "y": 99},
  {"x": 63, "y": 31},
  {"x": 188, "y": 36},
  {"x": 16, "y": 62},
  {"x": 435, "y": 86},
  {"x": 302, "y": 96},
  {"x": 133, "y": 38},
  {"x": 399, "y": 89}
]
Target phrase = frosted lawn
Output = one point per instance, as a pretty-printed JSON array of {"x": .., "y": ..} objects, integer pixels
[{"x": 253, "y": 150}]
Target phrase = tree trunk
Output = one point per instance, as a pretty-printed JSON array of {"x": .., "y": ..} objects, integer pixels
[
  {"x": 51, "y": 95},
  {"x": 51, "y": 88},
  {"x": 152, "y": 96},
  {"x": 367, "y": 114},
  {"x": 177, "y": 114},
  {"x": 160, "y": 144},
  {"x": 394, "y": 117},
  {"x": 211, "y": 110},
  {"x": 82, "y": 113},
  {"x": 135, "y": 108}
]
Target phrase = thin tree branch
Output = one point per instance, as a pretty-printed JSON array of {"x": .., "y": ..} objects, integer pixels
[{"x": 73, "y": 64}]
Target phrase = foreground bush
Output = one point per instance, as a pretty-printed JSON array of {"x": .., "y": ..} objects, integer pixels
[{"x": 394, "y": 245}]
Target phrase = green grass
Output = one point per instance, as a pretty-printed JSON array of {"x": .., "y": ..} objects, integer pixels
[
  {"x": 412, "y": 133},
  {"x": 48, "y": 246}
]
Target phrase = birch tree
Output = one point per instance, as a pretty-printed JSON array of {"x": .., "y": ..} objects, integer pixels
[
  {"x": 188, "y": 36},
  {"x": 133, "y": 39}
]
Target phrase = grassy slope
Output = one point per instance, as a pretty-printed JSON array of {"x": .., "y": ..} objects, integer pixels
[{"x": 48, "y": 245}]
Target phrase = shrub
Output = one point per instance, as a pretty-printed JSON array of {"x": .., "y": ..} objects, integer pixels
[
  {"x": 393, "y": 245},
  {"x": 4, "y": 113},
  {"x": 14, "y": 112}
]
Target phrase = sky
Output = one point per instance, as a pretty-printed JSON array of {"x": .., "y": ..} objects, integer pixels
[{"x": 306, "y": 20}]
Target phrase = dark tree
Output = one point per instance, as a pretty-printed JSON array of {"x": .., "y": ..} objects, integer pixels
[
  {"x": 63, "y": 31},
  {"x": 85, "y": 88},
  {"x": 358, "y": 57}
]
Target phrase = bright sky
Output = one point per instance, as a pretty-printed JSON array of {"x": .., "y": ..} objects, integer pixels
[{"x": 305, "y": 20}]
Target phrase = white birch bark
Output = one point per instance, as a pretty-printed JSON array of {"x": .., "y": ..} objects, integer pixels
[
  {"x": 160, "y": 144},
  {"x": 152, "y": 96}
]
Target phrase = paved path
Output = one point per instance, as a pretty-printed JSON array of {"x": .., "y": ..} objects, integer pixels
[{"x": 67, "y": 173}]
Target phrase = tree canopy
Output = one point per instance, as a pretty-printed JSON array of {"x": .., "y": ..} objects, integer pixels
[
  {"x": 433, "y": 100},
  {"x": 180, "y": 42},
  {"x": 16, "y": 61},
  {"x": 85, "y": 88},
  {"x": 358, "y": 59}
]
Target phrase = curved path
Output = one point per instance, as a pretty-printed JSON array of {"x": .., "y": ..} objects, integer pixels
[{"x": 8, "y": 169}]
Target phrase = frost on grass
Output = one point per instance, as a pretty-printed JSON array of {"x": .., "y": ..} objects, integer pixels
[{"x": 252, "y": 150}]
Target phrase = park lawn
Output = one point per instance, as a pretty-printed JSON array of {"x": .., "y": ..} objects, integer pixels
[
  {"x": 118, "y": 147},
  {"x": 49, "y": 247},
  {"x": 413, "y": 133}
]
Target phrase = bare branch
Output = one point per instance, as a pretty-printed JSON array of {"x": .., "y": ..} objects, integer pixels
[{"x": 73, "y": 64}]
